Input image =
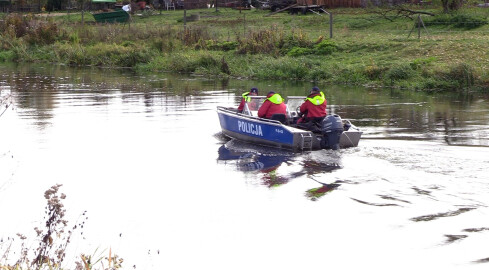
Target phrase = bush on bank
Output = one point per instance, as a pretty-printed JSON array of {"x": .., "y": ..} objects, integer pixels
[{"x": 291, "y": 51}]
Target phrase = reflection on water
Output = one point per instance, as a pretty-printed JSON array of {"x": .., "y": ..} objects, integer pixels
[
  {"x": 266, "y": 161},
  {"x": 441, "y": 215},
  {"x": 139, "y": 151},
  {"x": 316, "y": 193},
  {"x": 252, "y": 158}
]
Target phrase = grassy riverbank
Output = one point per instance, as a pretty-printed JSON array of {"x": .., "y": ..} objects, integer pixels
[{"x": 371, "y": 47}]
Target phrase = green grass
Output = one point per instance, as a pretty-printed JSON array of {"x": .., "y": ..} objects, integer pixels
[{"x": 369, "y": 46}]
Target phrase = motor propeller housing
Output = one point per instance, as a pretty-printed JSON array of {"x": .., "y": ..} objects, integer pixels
[{"x": 331, "y": 128}]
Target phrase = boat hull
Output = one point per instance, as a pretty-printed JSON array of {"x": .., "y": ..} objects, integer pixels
[
  {"x": 119, "y": 16},
  {"x": 274, "y": 133},
  {"x": 262, "y": 131}
]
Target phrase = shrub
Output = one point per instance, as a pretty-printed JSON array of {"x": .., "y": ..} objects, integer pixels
[
  {"x": 192, "y": 35},
  {"x": 165, "y": 44},
  {"x": 421, "y": 62},
  {"x": 103, "y": 54},
  {"x": 349, "y": 75},
  {"x": 6, "y": 56},
  {"x": 73, "y": 55},
  {"x": 399, "y": 72},
  {"x": 434, "y": 84},
  {"x": 374, "y": 72},
  {"x": 298, "y": 51},
  {"x": 261, "y": 41},
  {"x": 188, "y": 62},
  {"x": 463, "y": 74},
  {"x": 283, "y": 68},
  {"x": 295, "y": 39},
  {"x": 325, "y": 47},
  {"x": 217, "y": 45},
  {"x": 132, "y": 57},
  {"x": 16, "y": 22},
  {"x": 74, "y": 38},
  {"x": 42, "y": 32},
  {"x": 128, "y": 43},
  {"x": 208, "y": 64},
  {"x": 180, "y": 62},
  {"x": 318, "y": 73},
  {"x": 458, "y": 21},
  {"x": 207, "y": 61},
  {"x": 225, "y": 45},
  {"x": 33, "y": 30},
  {"x": 468, "y": 21}
]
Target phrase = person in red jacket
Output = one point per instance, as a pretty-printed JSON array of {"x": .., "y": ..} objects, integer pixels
[
  {"x": 274, "y": 104},
  {"x": 314, "y": 107},
  {"x": 246, "y": 98}
]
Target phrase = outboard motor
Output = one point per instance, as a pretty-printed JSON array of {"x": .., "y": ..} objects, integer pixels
[{"x": 331, "y": 128}]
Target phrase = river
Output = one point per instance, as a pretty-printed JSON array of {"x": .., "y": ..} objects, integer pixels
[{"x": 143, "y": 155}]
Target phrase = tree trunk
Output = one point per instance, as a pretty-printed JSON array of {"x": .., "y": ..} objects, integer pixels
[
  {"x": 449, "y": 5},
  {"x": 445, "y": 4}
]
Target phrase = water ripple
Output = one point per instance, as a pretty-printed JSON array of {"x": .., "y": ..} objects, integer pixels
[
  {"x": 471, "y": 230},
  {"x": 441, "y": 215},
  {"x": 484, "y": 260},
  {"x": 374, "y": 204},
  {"x": 453, "y": 238},
  {"x": 386, "y": 197}
]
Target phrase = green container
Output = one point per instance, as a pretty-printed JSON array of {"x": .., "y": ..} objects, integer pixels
[{"x": 119, "y": 16}]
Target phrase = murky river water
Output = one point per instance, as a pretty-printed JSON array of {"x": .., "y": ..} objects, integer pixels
[{"x": 143, "y": 155}]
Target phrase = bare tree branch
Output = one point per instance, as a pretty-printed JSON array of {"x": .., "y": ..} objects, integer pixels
[{"x": 399, "y": 11}]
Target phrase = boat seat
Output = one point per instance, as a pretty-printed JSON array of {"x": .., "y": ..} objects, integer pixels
[{"x": 279, "y": 117}]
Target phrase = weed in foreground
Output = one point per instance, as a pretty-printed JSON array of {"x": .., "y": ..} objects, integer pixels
[{"x": 53, "y": 240}]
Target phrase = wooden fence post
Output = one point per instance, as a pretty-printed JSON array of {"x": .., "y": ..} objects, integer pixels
[
  {"x": 419, "y": 26},
  {"x": 330, "y": 25},
  {"x": 330, "y": 20},
  {"x": 185, "y": 19},
  {"x": 83, "y": 12},
  {"x": 419, "y": 22}
]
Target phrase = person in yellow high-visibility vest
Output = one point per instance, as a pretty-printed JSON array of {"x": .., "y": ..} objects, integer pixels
[
  {"x": 274, "y": 104},
  {"x": 246, "y": 98},
  {"x": 314, "y": 107}
]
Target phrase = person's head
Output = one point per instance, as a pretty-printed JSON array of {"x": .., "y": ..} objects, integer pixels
[
  {"x": 315, "y": 89},
  {"x": 254, "y": 91},
  {"x": 271, "y": 93}
]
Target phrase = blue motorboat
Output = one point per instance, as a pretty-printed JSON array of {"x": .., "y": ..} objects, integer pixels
[{"x": 284, "y": 132}]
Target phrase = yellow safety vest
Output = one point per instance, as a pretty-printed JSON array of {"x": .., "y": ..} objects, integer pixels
[
  {"x": 246, "y": 97},
  {"x": 317, "y": 100},
  {"x": 276, "y": 99}
]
